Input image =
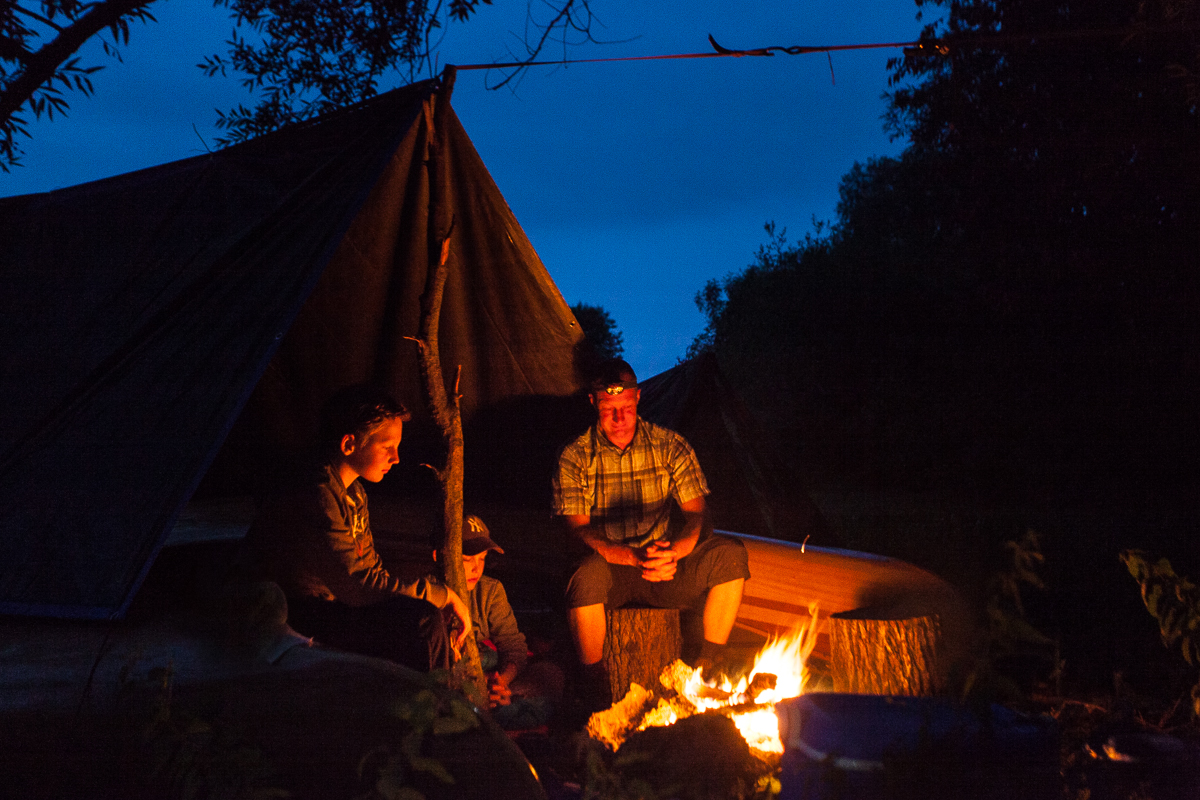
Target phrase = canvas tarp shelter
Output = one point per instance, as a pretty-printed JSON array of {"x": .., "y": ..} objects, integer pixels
[
  {"x": 138, "y": 314},
  {"x": 753, "y": 490}
]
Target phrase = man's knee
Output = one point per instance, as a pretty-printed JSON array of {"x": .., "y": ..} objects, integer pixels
[{"x": 591, "y": 582}]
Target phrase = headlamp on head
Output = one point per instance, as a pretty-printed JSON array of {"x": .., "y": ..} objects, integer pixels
[{"x": 613, "y": 377}]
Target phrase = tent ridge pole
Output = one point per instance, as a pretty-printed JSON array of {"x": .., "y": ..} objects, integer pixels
[{"x": 448, "y": 76}]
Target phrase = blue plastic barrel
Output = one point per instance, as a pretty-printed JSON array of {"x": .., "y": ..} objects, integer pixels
[{"x": 849, "y": 746}]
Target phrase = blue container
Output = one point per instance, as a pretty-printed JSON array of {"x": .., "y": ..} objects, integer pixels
[{"x": 854, "y": 747}]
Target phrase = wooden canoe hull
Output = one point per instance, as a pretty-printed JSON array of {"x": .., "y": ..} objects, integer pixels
[{"x": 787, "y": 578}]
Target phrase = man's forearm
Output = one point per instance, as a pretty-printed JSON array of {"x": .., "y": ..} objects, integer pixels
[
  {"x": 612, "y": 552},
  {"x": 689, "y": 536}
]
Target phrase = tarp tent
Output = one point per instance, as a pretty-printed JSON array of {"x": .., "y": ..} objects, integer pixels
[
  {"x": 138, "y": 314},
  {"x": 753, "y": 489}
]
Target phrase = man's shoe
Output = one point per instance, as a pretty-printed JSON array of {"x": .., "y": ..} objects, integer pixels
[
  {"x": 595, "y": 692},
  {"x": 716, "y": 661}
]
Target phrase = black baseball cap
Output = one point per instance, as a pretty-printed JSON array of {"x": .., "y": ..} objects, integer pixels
[{"x": 477, "y": 538}]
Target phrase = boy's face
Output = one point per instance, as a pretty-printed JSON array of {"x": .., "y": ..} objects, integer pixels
[
  {"x": 473, "y": 568},
  {"x": 371, "y": 456}
]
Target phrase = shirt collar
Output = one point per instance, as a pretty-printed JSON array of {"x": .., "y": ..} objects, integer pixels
[
  {"x": 335, "y": 480},
  {"x": 604, "y": 442}
]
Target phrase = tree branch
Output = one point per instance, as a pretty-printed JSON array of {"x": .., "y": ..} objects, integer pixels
[
  {"x": 564, "y": 19},
  {"x": 40, "y": 67}
]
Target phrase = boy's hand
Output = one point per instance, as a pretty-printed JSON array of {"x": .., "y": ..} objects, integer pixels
[
  {"x": 498, "y": 692},
  {"x": 463, "y": 614}
]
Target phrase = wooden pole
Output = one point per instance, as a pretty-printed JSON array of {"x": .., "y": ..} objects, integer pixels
[{"x": 442, "y": 404}]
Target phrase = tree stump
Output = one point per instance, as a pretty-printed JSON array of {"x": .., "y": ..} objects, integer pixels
[
  {"x": 639, "y": 643},
  {"x": 877, "y": 651}
]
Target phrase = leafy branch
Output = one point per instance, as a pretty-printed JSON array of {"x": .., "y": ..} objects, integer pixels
[
  {"x": 299, "y": 58},
  {"x": 1174, "y": 602},
  {"x": 305, "y": 59},
  {"x": 425, "y": 715},
  {"x": 1009, "y": 632},
  {"x": 38, "y": 42},
  {"x": 192, "y": 757}
]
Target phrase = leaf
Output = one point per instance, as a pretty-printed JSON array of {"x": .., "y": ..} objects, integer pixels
[
  {"x": 406, "y": 793},
  {"x": 460, "y": 720},
  {"x": 1021, "y": 631},
  {"x": 1151, "y": 597},
  {"x": 370, "y": 754},
  {"x": 419, "y": 710},
  {"x": 1167, "y": 621},
  {"x": 431, "y": 766},
  {"x": 412, "y": 743}
]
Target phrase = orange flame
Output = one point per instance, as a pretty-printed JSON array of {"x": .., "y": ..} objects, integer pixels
[{"x": 782, "y": 656}]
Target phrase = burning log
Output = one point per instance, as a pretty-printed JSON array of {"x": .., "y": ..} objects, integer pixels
[
  {"x": 876, "y": 651},
  {"x": 611, "y": 725},
  {"x": 683, "y": 693},
  {"x": 639, "y": 644}
]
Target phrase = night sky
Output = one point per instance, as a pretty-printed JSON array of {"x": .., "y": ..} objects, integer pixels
[{"x": 636, "y": 182}]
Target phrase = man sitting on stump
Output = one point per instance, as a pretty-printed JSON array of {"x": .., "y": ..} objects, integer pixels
[{"x": 615, "y": 487}]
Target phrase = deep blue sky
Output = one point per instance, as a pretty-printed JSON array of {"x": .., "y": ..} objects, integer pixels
[{"x": 636, "y": 182}]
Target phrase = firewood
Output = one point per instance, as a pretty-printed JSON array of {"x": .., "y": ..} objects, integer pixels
[
  {"x": 640, "y": 642},
  {"x": 876, "y": 651},
  {"x": 612, "y": 724}
]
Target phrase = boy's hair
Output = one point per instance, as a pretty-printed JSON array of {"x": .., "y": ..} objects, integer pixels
[{"x": 356, "y": 410}]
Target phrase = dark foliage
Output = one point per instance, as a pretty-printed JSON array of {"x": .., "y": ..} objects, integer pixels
[
  {"x": 600, "y": 329},
  {"x": 298, "y": 58},
  {"x": 38, "y": 65},
  {"x": 1015, "y": 292},
  {"x": 1002, "y": 317},
  {"x": 309, "y": 58},
  {"x": 1174, "y": 602}
]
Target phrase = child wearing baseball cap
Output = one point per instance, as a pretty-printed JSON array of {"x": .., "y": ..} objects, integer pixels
[{"x": 521, "y": 694}]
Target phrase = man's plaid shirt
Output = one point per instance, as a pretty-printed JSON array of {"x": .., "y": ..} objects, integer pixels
[{"x": 628, "y": 493}]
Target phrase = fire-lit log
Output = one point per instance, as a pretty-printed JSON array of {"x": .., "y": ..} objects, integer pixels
[
  {"x": 874, "y": 651},
  {"x": 640, "y": 642}
]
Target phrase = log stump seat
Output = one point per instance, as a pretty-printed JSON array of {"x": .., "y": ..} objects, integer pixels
[
  {"x": 639, "y": 643},
  {"x": 884, "y": 651}
]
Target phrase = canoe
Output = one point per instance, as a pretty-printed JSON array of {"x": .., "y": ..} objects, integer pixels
[{"x": 786, "y": 578}]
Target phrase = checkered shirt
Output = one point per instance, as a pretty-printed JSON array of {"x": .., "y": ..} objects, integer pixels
[{"x": 628, "y": 493}]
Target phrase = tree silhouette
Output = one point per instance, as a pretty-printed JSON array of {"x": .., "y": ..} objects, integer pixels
[
  {"x": 300, "y": 57},
  {"x": 600, "y": 330},
  {"x": 1010, "y": 297}
]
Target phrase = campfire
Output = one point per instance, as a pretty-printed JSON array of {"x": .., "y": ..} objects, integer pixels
[{"x": 778, "y": 673}]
